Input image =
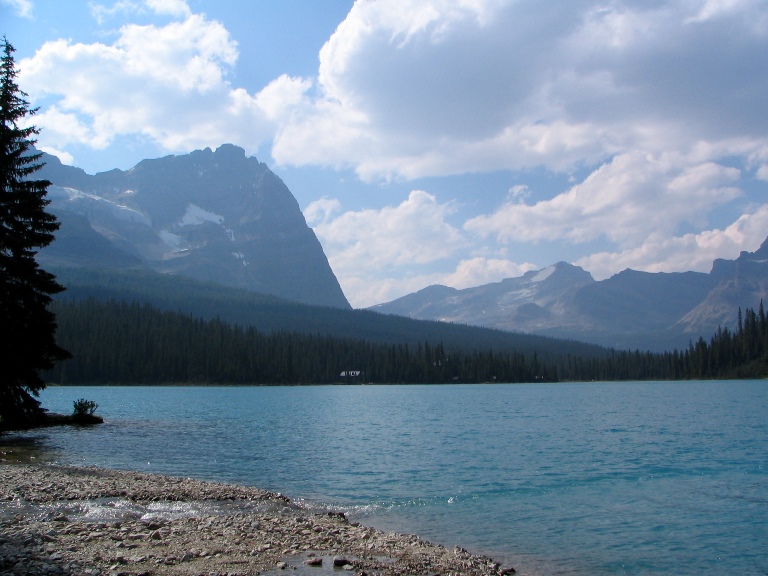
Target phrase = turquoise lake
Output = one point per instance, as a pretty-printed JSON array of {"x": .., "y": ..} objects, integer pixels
[{"x": 577, "y": 479}]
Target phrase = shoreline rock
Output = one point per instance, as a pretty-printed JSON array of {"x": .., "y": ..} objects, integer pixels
[
  {"x": 260, "y": 531},
  {"x": 47, "y": 419}
]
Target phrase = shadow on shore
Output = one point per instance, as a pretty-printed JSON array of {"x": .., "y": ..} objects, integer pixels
[
  {"x": 47, "y": 419},
  {"x": 17, "y": 447}
]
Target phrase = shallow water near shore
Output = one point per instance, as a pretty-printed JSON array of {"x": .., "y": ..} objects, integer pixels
[{"x": 581, "y": 479}]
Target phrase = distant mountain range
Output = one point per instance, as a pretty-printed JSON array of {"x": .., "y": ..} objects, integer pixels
[
  {"x": 631, "y": 310},
  {"x": 210, "y": 215},
  {"x": 219, "y": 216},
  {"x": 269, "y": 314}
]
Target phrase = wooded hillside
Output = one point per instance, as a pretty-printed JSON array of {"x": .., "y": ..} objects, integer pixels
[{"x": 128, "y": 343}]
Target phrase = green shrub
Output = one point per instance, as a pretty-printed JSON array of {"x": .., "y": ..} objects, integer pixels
[{"x": 84, "y": 407}]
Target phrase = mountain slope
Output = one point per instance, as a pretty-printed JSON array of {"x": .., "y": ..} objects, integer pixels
[
  {"x": 633, "y": 301},
  {"x": 740, "y": 283},
  {"x": 529, "y": 303},
  {"x": 210, "y": 215},
  {"x": 630, "y": 310},
  {"x": 270, "y": 314}
]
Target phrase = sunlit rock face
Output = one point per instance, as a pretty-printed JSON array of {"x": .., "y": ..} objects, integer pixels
[
  {"x": 740, "y": 283},
  {"x": 216, "y": 216},
  {"x": 535, "y": 301}
]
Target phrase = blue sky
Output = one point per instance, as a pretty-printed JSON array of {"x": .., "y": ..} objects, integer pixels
[{"x": 456, "y": 142}]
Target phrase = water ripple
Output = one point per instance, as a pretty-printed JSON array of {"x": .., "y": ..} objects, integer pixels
[{"x": 598, "y": 479}]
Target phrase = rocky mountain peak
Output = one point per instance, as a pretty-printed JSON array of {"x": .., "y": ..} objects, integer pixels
[
  {"x": 759, "y": 255},
  {"x": 535, "y": 299},
  {"x": 558, "y": 272},
  {"x": 632, "y": 309},
  {"x": 217, "y": 216}
]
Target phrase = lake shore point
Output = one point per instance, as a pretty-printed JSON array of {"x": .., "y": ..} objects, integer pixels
[{"x": 98, "y": 522}]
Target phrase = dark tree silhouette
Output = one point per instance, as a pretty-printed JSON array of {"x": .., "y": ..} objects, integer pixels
[{"x": 27, "y": 326}]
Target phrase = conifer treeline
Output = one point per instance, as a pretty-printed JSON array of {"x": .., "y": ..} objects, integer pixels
[
  {"x": 739, "y": 354},
  {"x": 121, "y": 343}
]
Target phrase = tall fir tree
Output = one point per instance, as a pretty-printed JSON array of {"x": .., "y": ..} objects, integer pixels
[{"x": 27, "y": 327}]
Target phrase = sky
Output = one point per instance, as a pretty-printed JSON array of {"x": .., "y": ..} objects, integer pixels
[{"x": 454, "y": 142}]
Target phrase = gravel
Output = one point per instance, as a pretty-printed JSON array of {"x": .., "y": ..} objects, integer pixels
[{"x": 62, "y": 520}]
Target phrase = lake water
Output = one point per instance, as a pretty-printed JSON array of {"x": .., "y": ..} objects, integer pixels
[{"x": 578, "y": 479}]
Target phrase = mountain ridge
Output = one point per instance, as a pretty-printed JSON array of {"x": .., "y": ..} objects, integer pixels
[
  {"x": 270, "y": 314},
  {"x": 209, "y": 215},
  {"x": 219, "y": 216},
  {"x": 630, "y": 310}
]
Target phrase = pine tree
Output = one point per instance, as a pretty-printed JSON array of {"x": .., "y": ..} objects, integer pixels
[{"x": 27, "y": 327}]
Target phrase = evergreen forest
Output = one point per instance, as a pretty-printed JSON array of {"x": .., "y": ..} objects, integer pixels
[
  {"x": 130, "y": 343},
  {"x": 117, "y": 342},
  {"x": 268, "y": 314}
]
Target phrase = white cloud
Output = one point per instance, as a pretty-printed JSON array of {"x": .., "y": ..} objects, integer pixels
[
  {"x": 623, "y": 201},
  {"x": 750, "y": 10},
  {"x": 410, "y": 88},
  {"x": 436, "y": 87},
  {"x": 380, "y": 255},
  {"x": 65, "y": 157},
  {"x": 63, "y": 128},
  {"x": 101, "y": 12},
  {"x": 23, "y": 8},
  {"x": 365, "y": 289},
  {"x": 320, "y": 211},
  {"x": 176, "y": 8},
  {"x": 656, "y": 111},
  {"x": 365, "y": 246},
  {"x": 188, "y": 55},
  {"x": 282, "y": 96},
  {"x": 695, "y": 251},
  {"x": 411, "y": 233},
  {"x": 165, "y": 83},
  {"x": 478, "y": 271},
  {"x": 519, "y": 192}
]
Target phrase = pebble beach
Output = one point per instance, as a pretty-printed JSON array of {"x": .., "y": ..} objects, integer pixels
[{"x": 225, "y": 530}]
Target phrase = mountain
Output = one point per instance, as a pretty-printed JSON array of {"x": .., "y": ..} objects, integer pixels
[
  {"x": 630, "y": 310},
  {"x": 531, "y": 303},
  {"x": 269, "y": 314},
  {"x": 740, "y": 283},
  {"x": 210, "y": 215},
  {"x": 633, "y": 301}
]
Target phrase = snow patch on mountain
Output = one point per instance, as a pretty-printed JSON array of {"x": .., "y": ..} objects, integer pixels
[
  {"x": 83, "y": 203},
  {"x": 543, "y": 274},
  {"x": 513, "y": 298},
  {"x": 173, "y": 241},
  {"x": 188, "y": 215},
  {"x": 194, "y": 216}
]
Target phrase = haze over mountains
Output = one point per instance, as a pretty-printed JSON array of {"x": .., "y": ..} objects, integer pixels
[
  {"x": 219, "y": 216},
  {"x": 634, "y": 310},
  {"x": 209, "y": 215}
]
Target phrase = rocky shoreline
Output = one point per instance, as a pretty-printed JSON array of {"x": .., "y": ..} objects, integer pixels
[
  {"x": 47, "y": 419},
  {"x": 223, "y": 530}
]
